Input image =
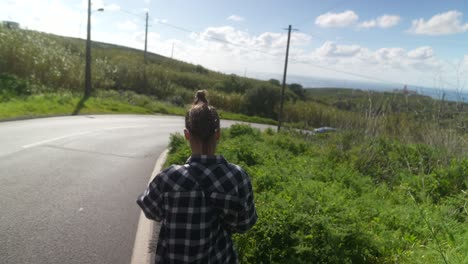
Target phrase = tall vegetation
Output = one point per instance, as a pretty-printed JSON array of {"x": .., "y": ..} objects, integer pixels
[
  {"x": 345, "y": 198},
  {"x": 56, "y": 63}
]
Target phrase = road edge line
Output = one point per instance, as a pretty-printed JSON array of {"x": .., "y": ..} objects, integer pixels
[{"x": 144, "y": 234}]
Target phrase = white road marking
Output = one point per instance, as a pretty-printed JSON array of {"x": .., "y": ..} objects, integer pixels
[
  {"x": 145, "y": 228},
  {"x": 55, "y": 139},
  {"x": 123, "y": 127},
  {"x": 170, "y": 125},
  {"x": 78, "y": 134}
]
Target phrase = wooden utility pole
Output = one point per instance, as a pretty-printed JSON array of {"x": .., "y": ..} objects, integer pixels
[
  {"x": 172, "y": 52},
  {"x": 146, "y": 38},
  {"x": 88, "y": 55},
  {"x": 280, "y": 114}
]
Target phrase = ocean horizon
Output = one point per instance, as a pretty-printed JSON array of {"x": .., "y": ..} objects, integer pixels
[{"x": 317, "y": 82}]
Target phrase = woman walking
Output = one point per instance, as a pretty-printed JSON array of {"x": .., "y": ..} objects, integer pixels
[{"x": 201, "y": 203}]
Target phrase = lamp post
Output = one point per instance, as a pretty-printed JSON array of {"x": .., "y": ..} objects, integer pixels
[{"x": 88, "y": 53}]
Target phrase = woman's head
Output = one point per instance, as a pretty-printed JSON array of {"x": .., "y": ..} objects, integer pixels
[{"x": 202, "y": 125}]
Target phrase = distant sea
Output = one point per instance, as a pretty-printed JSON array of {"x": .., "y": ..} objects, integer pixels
[{"x": 316, "y": 82}]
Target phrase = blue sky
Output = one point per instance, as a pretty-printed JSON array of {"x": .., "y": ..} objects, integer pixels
[{"x": 413, "y": 42}]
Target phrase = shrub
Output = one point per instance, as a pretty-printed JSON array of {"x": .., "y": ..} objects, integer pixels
[
  {"x": 316, "y": 208},
  {"x": 262, "y": 101},
  {"x": 237, "y": 130}
]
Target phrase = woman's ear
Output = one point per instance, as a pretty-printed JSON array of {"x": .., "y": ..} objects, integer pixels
[{"x": 186, "y": 134}]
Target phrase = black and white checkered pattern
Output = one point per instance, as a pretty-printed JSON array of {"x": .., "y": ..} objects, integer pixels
[{"x": 200, "y": 204}]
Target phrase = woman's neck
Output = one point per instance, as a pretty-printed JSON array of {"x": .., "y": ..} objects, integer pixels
[{"x": 202, "y": 149}]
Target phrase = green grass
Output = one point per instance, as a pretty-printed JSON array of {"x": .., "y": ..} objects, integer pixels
[
  {"x": 105, "y": 102},
  {"x": 246, "y": 118},
  {"x": 60, "y": 104},
  {"x": 344, "y": 198}
]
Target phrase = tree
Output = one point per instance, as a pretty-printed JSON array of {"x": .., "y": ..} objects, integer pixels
[
  {"x": 274, "y": 82},
  {"x": 298, "y": 90},
  {"x": 262, "y": 101},
  {"x": 233, "y": 84}
]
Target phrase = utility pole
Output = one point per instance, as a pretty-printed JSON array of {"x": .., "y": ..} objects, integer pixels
[
  {"x": 172, "y": 52},
  {"x": 280, "y": 115},
  {"x": 146, "y": 38},
  {"x": 88, "y": 55}
]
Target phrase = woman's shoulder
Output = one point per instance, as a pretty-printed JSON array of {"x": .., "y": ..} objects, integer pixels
[
  {"x": 237, "y": 174},
  {"x": 236, "y": 168},
  {"x": 171, "y": 173}
]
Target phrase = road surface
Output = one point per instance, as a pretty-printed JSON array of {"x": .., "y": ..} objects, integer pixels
[{"x": 68, "y": 185}]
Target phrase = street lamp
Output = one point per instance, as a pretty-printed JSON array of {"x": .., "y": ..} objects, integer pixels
[{"x": 88, "y": 53}]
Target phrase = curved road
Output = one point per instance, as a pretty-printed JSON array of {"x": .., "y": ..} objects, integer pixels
[{"x": 68, "y": 185}]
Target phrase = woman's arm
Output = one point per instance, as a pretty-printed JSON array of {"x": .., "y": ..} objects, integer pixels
[
  {"x": 150, "y": 200},
  {"x": 237, "y": 209}
]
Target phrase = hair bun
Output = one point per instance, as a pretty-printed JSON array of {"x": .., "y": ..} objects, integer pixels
[{"x": 201, "y": 96}]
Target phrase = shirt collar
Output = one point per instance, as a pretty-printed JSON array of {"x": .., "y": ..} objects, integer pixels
[{"x": 205, "y": 159}]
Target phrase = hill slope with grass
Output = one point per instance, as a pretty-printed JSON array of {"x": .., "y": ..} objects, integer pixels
[
  {"x": 54, "y": 64},
  {"x": 43, "y": 74}
]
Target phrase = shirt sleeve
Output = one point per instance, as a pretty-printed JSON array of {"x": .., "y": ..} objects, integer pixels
[
  {"x": 150, "y": 200},
  {"x": 247, "y": 216},
  {"x": 237, "y": 210}
]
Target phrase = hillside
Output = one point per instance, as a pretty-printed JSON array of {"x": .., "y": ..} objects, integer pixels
[
  {"x": 58, "y": 63},
  {"x": 33, "y": 64}
]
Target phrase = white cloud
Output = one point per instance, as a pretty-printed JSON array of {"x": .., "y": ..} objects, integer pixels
[
  {"x": 344, "y": 19},
  {"x": 389, "y": 63},
  {"x": 52, "y": 17},
  {"x": 235, "y": 18},
  {"x": 441, "y": 24},
  {"x": 240, "y": 49},
  {"x": 161, "y": 20},
  {"x": 380, "y": 60},
  {"x": 96, "y": 4},
  {"x": 267, "y": 41},
  {"x": 465, "y": 61},
  {"x": 421, "y": 53},
  {"x": 385, "y": 21},
  {"x": 368, "y": 24},
  {"x": 112, "y": 7},
  {"x": 127, "y": 26},
  {"x": 389, "y": 54},
  {"x": 331, "y": 49}
]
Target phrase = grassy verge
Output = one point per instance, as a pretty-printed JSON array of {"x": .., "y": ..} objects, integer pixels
[
  {"x": 340, "y": 198},
  {"x": 245, "y": 118},
  {"x": 104, "y": 102}
]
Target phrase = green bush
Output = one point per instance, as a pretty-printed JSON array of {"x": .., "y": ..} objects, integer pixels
[
  {"x": 10, "y": 87},
  {"x": 237, "y": 130},
  {"x": 262, "y": 101},
  {"x": 315, "y": 207}
]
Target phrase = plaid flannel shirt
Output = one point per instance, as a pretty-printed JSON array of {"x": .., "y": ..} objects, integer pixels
[{"x": 199, "y": 205}]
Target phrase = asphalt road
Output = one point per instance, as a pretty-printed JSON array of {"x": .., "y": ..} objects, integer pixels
[{"x": 68, "y": 185}]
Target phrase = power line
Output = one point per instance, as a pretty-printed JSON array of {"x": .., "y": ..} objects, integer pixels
[
  {"x": 251, "y": 49},
  {"x": 131, "y": 13},
  {"x": 362, "y": 76},
  {"x": 184, "y": 29}
]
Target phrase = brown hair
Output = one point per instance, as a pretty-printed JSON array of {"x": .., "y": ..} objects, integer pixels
[{"x": 202, "y": 120}]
